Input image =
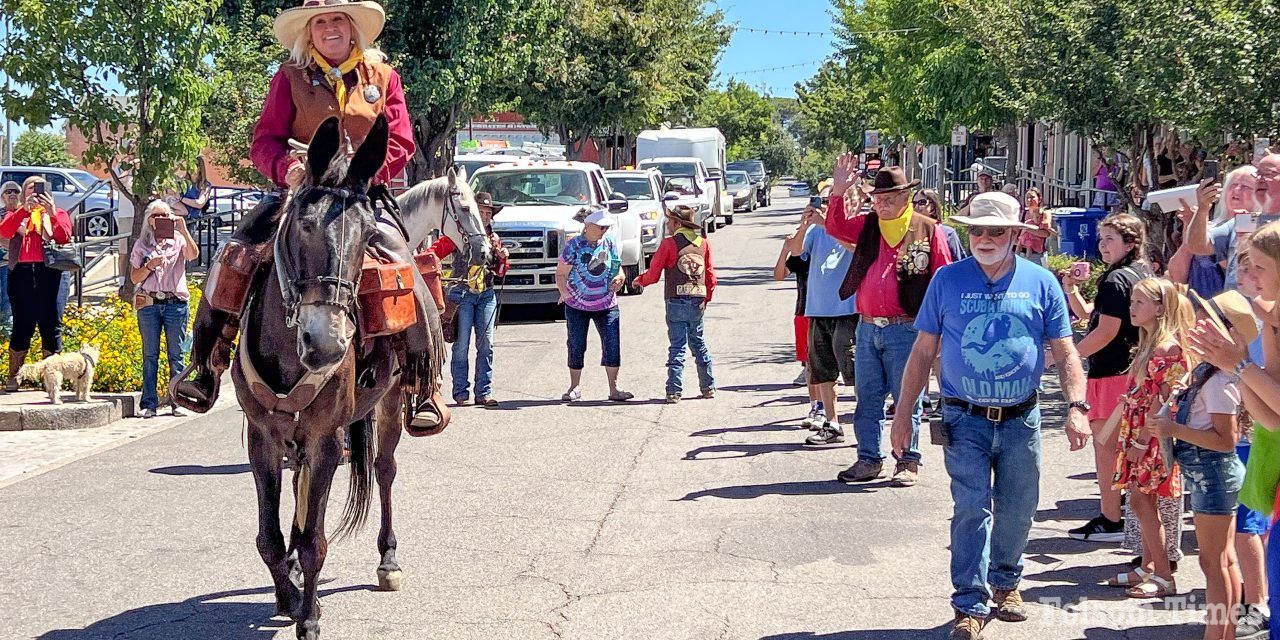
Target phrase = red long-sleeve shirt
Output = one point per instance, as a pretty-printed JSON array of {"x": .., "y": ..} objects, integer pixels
[
  {"x": 665, "y": 258},
  {"x": 445, "y": 246},
  {"x": 270, "y": 149},
  {"x": 32, "y": 247}
]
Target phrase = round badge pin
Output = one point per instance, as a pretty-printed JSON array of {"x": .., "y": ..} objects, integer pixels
[{"x": 371, "y": 94}]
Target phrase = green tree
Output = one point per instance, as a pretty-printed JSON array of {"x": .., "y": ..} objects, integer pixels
[
  {"x": 624, "y": 64},
  {"x": 832, "y": 108},
  {"x": 242, "y": 69},
  {"x": 779, "y": 151},
  {"x": 744, "y": 116},
  {"x": 42, "y": 149}
]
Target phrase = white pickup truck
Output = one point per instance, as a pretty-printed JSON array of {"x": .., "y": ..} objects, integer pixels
[{"x": 540, "y": 201}]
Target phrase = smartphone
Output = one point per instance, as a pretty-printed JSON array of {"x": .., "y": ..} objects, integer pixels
[
  {"x": 1211, "y": 169},
  {"x": 816, "y": 202},
  {"x": 164, "y": 228},
  {"x": 1080, "y": 271},
  {"x": 1247, "y": 222},
  {"x": 39, "y": 188}
]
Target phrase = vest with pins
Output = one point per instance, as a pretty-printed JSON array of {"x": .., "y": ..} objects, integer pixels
[
  {"x": 687, "y": 278},
  {"x": 911, "y": 286},
  {"x": 314, "y": 100}
]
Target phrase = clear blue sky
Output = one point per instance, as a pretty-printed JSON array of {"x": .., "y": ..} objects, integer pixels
[{"x": 749, "y": 51}]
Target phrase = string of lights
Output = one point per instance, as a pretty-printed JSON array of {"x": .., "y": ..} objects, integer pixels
[
  {"x": 787, "y": 32},
  {"x": 768, "y": 69}
]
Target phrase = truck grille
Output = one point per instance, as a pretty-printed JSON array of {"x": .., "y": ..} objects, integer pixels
[{"x": 531, "y": 244}]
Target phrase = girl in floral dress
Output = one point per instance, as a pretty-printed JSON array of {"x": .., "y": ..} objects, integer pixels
[{"x": 1163, "y": 316}]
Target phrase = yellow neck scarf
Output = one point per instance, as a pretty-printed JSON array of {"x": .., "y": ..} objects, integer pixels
[
  {"x": 36, "y": 219},
  {"x": 690, "y": 234},
  {"x": 334, "y": 74},
  {"x": 893, "y": 231}
]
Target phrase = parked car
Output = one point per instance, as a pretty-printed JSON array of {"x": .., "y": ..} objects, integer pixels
[
  {"x": 540, "y": 201},
  {"x": 738, "y": 184},
  {"x": 798, "y": 190},
  {"x": 643, "y": 189},
  {"x": 96, "y": 213},
  {"x": 759, "y": 177}
]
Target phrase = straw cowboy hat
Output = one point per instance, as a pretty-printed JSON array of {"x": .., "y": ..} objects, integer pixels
[
  {"x": 367, "y": 18},
  {"x": 684, "y": 215},
  {"x": 1229, "y": 310},
  {"x": 993, "y": 209}
]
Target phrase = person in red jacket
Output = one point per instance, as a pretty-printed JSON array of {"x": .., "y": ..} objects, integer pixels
[
  {"x": 33, "y": 287},
  {"x": 684, "y": 261}
]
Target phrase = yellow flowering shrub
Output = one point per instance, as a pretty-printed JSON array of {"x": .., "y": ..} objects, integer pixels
[{"x": 112, "y": 326}]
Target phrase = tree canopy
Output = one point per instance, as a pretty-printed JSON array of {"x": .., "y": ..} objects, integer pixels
[{"x": 42, "y": 149}]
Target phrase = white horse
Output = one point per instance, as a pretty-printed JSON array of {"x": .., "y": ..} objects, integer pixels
[{"x": 447, "y": 204}]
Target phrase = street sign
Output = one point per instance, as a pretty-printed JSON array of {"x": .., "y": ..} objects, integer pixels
[
  {"x": 871, "y": 141},
  {"x": 960, "y": 135}
]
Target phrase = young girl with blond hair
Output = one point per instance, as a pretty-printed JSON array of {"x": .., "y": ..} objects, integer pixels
[{"x": 1163, "y": 317}]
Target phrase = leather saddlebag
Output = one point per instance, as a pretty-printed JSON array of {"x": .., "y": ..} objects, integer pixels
[
  {"x": 387, "y": 306},
  {"x": 231, "y": 275},
  {"x": 429, "y": 266}
]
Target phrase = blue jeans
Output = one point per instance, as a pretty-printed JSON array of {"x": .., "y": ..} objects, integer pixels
[
  {"x": 172, "y": 319},
  {"x": 64, "y": 292},
  {"x": 990, "y": 523},
  {"x": 6, "y": 311},
  {"x": 880, "y": 357},
  {"x": 477, "y": 313},
  {"x": 684, "y": 326},
  {"x": 608, "y": 325}
]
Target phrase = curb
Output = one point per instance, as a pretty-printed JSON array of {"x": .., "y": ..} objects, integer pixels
[{"x": 38, "y": 415}]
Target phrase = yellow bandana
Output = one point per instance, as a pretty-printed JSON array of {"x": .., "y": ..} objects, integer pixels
[
  {"x": 691, "y": 235},
  {"x": 334, "y": 74},
  {"x": 34, "y": 222},
  {"x": 893, "y": 231}
]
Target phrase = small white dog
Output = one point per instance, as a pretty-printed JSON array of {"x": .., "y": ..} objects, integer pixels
[{"x": 76, "y": 367}]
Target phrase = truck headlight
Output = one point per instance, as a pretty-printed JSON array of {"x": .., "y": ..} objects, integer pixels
[{"x": 649, "y": 215}]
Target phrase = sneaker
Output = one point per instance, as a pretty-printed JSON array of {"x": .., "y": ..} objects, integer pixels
[
  {"x": 1099, "y": 529},
  {"x": 814, "y": 420},
  {"x": 829, "y": 433},
  {"x": 966, "y": 627},
  {"x": 801, "y": 380},
  {"x": 673, "y": 398},
  {"x": 891, "y": 411},
  {"x": 862, "y": 471},
  {"x": 148, "y": 413},
  {"x": 177, "y": 411},
  {"x": 708, "y": 394},
  {"x": 905, "y": 474},
  {"x": 1009, "y": 605},
  {"x": 1253, "y": 625}
]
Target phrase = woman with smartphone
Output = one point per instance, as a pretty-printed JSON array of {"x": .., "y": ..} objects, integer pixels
[
  {"x": 1108, "y": 349},
  {"x": 33, "y": 287},
  {"x": 159, "y": 271}
]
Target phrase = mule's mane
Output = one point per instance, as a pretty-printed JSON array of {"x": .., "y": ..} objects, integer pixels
[{"x": 423, "y": 192}]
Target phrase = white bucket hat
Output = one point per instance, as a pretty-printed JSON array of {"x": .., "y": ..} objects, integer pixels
[
  {"x": 994, "y": 209},
  {"x": 600, "y": 218},
  {"x": 367, "y": 17}
]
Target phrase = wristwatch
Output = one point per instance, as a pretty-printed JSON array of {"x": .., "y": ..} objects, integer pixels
[{"x": 1083, "y": 406}]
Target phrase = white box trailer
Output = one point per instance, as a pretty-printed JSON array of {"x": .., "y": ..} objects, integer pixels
[{"x": 706, "y": 145}]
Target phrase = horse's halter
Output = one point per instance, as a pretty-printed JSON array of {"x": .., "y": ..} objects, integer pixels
[
  {"x": 344, "y": 292},
  {"x": 452, "y": 207}
]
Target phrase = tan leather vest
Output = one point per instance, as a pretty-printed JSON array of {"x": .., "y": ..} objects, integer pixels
[{"x": 314, "y": 100}]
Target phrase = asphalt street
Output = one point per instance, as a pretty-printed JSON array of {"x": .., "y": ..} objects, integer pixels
[{"x": 708, "y": 519}]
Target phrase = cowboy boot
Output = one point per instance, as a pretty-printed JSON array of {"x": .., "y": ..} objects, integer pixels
[{"x": 16, "y": 359}]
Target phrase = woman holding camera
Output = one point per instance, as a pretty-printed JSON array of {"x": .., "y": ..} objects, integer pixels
[
  {"x": 159, "y": 271},
  {"x": 1108, "y": 348},
  {"x": 33, "y": 287}
]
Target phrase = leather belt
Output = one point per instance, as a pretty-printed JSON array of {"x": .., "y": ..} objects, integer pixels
[
  {"x": 162, "y": 297},
  {"x": 995, "y": 414},
  {"x": 884, "y": 322}
]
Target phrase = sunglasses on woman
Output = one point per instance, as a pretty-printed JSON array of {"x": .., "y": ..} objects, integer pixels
[
  {"x": 921, "y": 202},
  {"x": 991, "y": 232},
  {"x": 11, "y": 192}
]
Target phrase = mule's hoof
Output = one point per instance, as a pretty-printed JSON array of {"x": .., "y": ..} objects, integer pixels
[{"x": 390, "y": 580}]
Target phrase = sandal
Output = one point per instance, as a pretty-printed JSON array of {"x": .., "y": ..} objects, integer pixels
[
  {"x": 572, "y": 395},
  {"x": 1127, "y": 579},
  {"x": 1154, "y": 587},
  {"x": 621, "y": 396}
]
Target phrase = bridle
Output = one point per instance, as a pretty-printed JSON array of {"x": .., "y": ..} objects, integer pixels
[
  {"x": 343, "y": 292},
  {"x": 452, "y": 206}
]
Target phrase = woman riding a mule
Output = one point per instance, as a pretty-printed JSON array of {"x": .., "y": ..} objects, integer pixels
[{"x": 332, "y": 71}]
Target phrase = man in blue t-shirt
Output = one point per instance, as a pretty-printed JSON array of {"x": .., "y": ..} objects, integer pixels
[
  {"x": 832, "y": 322},
  {"x": 989, "y": 317}
]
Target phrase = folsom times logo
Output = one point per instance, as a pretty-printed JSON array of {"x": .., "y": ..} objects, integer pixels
[{"x": 1184, "y": 608}]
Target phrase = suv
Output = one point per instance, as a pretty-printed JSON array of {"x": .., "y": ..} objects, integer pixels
[
  {"x": 692, "y": 184},
  {"x": 755, "y": 168},
  {"x": 69, "y": 187},
  {"x": 540, "y": 201},
  {"x": 643, "y": 189}
]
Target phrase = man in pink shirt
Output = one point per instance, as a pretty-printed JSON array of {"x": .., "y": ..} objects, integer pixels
[{"x": 896, "y": 251}]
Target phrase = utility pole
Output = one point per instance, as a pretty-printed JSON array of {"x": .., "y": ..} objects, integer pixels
[{"x": 8, "y": 124}]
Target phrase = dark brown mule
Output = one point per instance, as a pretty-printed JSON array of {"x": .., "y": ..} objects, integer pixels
[{"x": 301, "y": 326}]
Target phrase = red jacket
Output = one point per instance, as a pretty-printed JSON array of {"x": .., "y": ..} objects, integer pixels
[
  {"x": 445, "y": 246},
  {"x": 666, "y": 258},
  {"x": 32, "y": 249}
]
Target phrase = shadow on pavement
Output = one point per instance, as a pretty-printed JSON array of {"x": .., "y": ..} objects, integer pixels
[
  {"x": 197, "y": 617},
  {"x": 202, "y": 470},
  {"x": 743, "y": 450},
  {"x": 940, "y": 631},
  {"x": 791, "y": 424},
  {"x": 752, "y": 491},
  {"x": 776, "y": 386}
]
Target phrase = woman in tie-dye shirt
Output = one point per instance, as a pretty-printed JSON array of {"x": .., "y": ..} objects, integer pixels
[{"x": 589, "y": 276}]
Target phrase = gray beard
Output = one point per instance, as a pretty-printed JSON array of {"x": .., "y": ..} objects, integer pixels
[{"x": 993, "y": 260}]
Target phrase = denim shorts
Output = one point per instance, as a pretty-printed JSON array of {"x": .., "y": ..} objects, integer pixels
[{"x": 1213, "y": 478}]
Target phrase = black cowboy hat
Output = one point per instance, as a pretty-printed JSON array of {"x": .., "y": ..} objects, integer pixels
[
  {"x": 890, "y": 179},
  {"x": 684, "y": 215},
  {"x": 485, "y": 199}
]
